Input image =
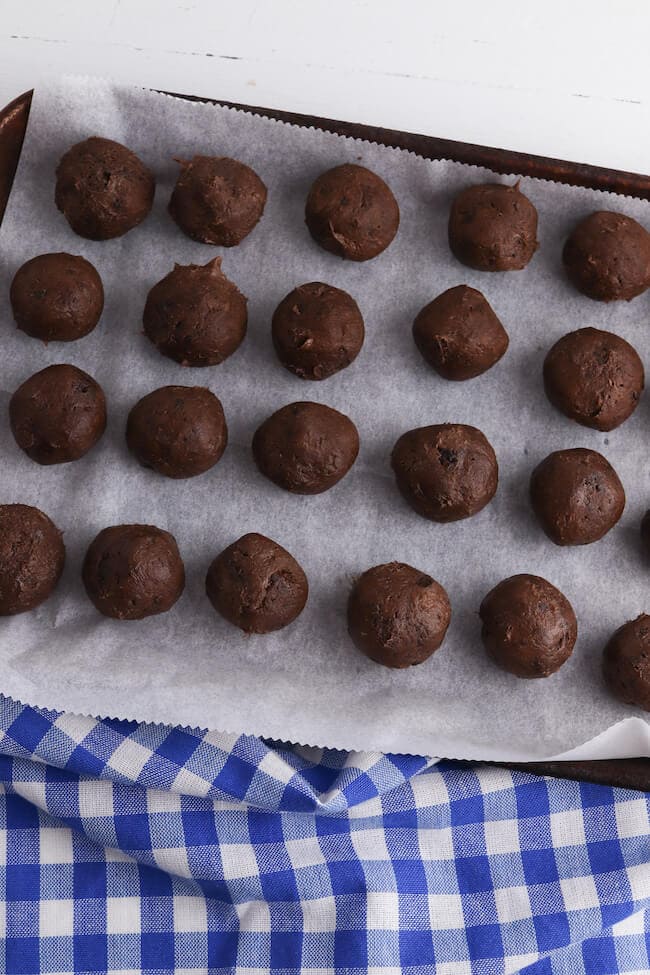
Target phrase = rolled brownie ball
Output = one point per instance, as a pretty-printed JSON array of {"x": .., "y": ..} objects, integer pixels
[
  {"x": 398, "y": 615},
  {"x": 32, "y": 556},
  {"x": 459, "y": 334},
  {"x": 257, "y": 585},
  {"x": 626, "y": 663},
  {"x": 217, "y": 200},
  {"x": 317, "y": 330},
  {"x": 178, "y": 431},
  {"x": 133, "y": 571},
  {"x": 576, "y": 495},
  {"x": 445, "y": 472},
  {"x": 529, "y": 627},
  {"x": 103, "y": 189},
  {"x": 607, "y": 257},
  {"x": 57, "y": 297},
  {"x": 58, "y": 414},
  {"x": 351, "y": 212},
  {"x": 195, "y": 315},
  {"x": 594, "y": 378},
  {"x": 306, "y": 448},
  {"x": 493, "y": 227}
]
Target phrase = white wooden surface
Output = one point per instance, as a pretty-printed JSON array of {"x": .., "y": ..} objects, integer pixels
[{"x": 565, "y": 78}]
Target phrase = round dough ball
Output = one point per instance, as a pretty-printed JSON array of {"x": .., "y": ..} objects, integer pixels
[
  {"x": 493, "y": 227},
  {"x": 57, "y": 297},
  {"x": 317, "y": 330},
  {"x": 103, "y": 189},
  {"x": 179, "y": 431},
  {"x": 133, "y": 571},
  {"x": 459, "y": 334},
  {"x": 306, "y": 448},
  {"x": 445, "y": 472},
  {"x": 529, "y": 627},
  {"x": 576, "y": 495},
  {"x": 217, "y": 200},
  {"x": 195, "y": 315},
  {"x": 257, "y": 585},
  {"x": 58, "y": 414},
  {"x": 398, "y": 615},
  {"x": 607, "y": 257},
  {"x": 626, "y": 663},
  {"x": 32, "y": 556},
  {"x": 594, "y": 378},
  {"x": 351, "y": 212}
]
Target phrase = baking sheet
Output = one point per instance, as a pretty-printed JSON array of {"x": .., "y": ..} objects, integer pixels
[{"x": 308, "y": 683}]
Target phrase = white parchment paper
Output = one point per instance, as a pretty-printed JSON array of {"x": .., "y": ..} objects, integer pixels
[{"x": 308, "y": 683}]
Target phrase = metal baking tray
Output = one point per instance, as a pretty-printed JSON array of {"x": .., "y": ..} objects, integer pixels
[{"x": 630, "y": 773}]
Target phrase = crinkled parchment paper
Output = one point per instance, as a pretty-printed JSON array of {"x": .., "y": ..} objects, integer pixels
[{"x": 308, "y": 683}]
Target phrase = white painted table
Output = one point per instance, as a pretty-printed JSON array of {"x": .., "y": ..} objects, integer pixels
[{"x": 563, "y": 78}]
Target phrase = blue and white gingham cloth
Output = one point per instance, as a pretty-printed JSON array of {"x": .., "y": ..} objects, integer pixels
[{"x": 127, "y": 847}]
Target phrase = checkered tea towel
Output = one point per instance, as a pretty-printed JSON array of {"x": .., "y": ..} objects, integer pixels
[{"x": 127, "y": 847}]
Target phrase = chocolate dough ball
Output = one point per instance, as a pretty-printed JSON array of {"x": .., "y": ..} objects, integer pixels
[
  {"x": 607, "y": 257},
  {"x": 594, "y": 378},
  {"x": 195, "y": 315},
  {"x": 398, "y": 615},
  {"x": 445, "y": 472},
  {"x": 179, "y": 431},
  {"x": 317, "y": 330},
  {"x": 103, "y": 189},
  {"x": 32, "y": 555},
  {"x": 529, "y": 627},
  {"x": 257, "y": 585},
  {"x": 306, "y": 448},
  {"x": 459, "y": 334},
  {"x": 351, "y": 212},
  {"x": 57, "y": 297},
  {"x": 217, "y": 200},
  {"x": 626, "y": 663},
  {"x": 58, "y": 414},
  {"x": 493, "y": 227},
  {"x": 576, "y": 495},
  {"x": 133, "y": 571}
]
